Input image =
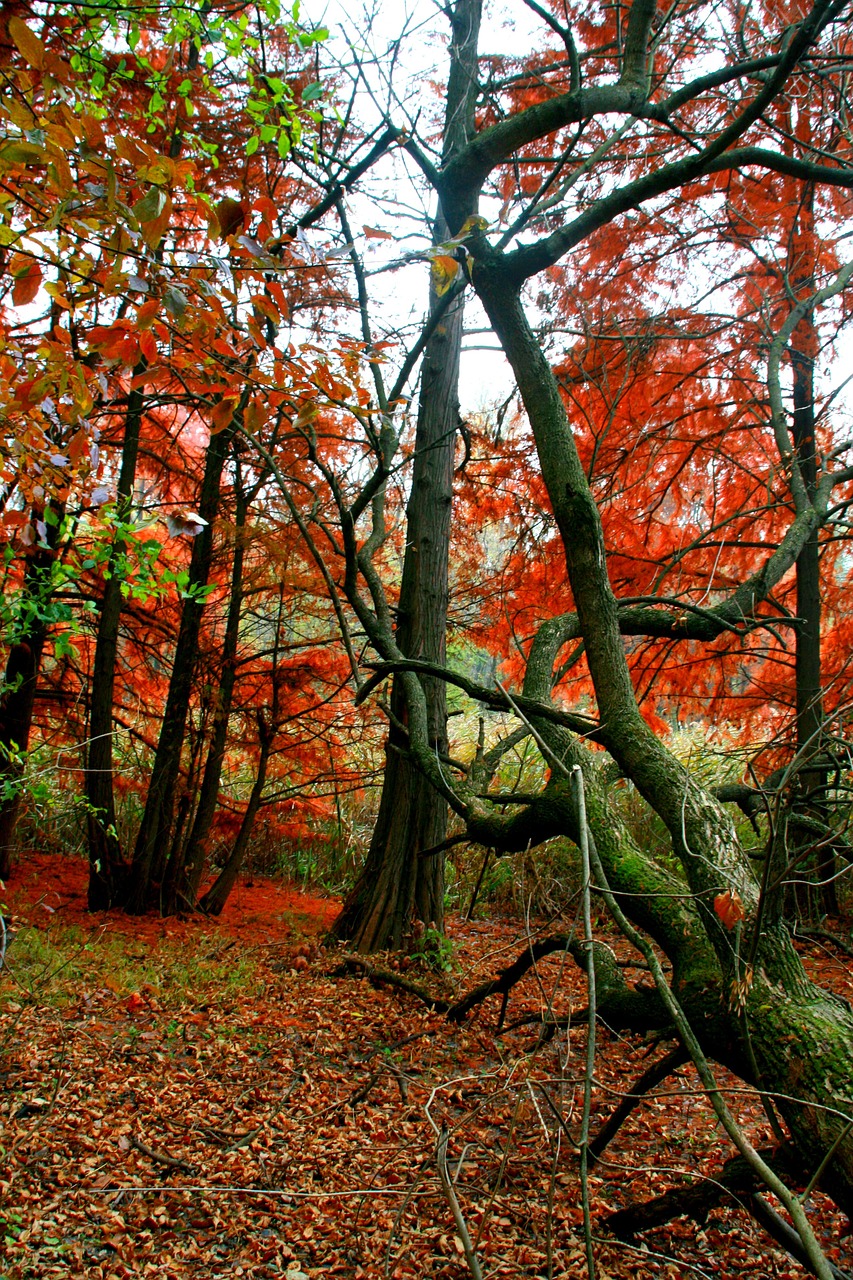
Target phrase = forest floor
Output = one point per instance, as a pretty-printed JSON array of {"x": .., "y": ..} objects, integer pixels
[{"x": 197, "y": 1098}]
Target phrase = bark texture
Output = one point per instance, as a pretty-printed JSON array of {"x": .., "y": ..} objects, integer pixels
[{"x": 396, "y": 885}]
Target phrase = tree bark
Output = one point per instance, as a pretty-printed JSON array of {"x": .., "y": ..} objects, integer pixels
[
  {"x": 107, "y": 870},
  {"x": 814, "y": 890},
  {"x": 396, "y": 885},
  {"x": 187, "y": 864},
  {"x": 16, "y": 716}
]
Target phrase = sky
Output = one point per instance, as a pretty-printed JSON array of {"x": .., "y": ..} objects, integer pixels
[{"x": 486, "y": 379}]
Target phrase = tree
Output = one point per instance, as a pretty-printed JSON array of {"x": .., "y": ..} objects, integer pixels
[
  {"x": 737, "y": 986},
  {"x": 151, "y": 368},
  {"x": 397, "y": 884}
]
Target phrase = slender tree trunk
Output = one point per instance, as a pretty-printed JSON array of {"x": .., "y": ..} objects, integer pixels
[
  {"x": 16, "y": 715},
  {"x": 214, "y": 900},
  {"x": 187, "y": 866},
  {"x": 154, "y": 838},
  {"x": 396, "y": 885},
  {"x": 107, "y": 871},
  {"x": 811, "y": 900}
]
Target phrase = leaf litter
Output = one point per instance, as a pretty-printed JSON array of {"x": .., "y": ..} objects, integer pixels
[{"x": 197, "y": 1098}]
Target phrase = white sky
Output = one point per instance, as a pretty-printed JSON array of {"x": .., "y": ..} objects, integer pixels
[{"x": 486, "y": 378}]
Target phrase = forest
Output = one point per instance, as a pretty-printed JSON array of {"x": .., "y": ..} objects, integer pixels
[{"x": 426, "y": 474}]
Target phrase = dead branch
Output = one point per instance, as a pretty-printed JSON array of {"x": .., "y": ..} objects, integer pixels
[
  {"x": 160, "y": 1157},
  {"x": 650, "y": 1079},
  {"x": 353, "y": 964},
  {"x": 508, "y": 977},
  {"x": 736, "y": 1181},
  {"x": 461, "y": 1228}
]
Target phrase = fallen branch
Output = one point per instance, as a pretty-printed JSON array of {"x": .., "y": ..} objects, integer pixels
[
  {"x": 650, "y": 1079},
  {"x": 623, "y": 1006},
  {"x": 808, "y": 931},
  {"x": 453, "y": 1200},
  {"x": 509, "y": 976},
  {"x": 160, "y": 1157},
  {"x": 736, "y": 1181},
  {"x": 353, "y": 964}
]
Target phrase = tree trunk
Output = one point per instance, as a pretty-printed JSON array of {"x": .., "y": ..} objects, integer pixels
[
  {"x": 214, "y": 900},
  {"x": 17, "y": 701},
  {"x": 396, "y": 885},
  {"x": 107, "y": 870},
  {"x": 814, "y": 888},
  {"x": 187, "y": 864},
  {"x": 151, "y": 852},
  {"x": 16, "y": 715},
  {"x": 770, "y": 1023}
]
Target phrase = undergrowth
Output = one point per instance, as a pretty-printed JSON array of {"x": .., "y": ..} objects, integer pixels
[{"x": 58, "y": 965}]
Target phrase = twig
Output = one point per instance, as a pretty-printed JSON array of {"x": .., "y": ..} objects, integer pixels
[
  {"x": 160, "y": 1157},
  {"x": 453, "y": 1201},
  {"x": 244, "y": 1140},
  {"x": 476, "y": 892},
  {"x": 583, "y": 833}
]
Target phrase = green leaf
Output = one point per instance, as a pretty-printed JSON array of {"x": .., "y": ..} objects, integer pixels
[
  {"x": 252, "y": 144},
  {"x": 307, "y": 38},
  {"x": 312, "y": 92},
  {"x": 20, "y": 153}
]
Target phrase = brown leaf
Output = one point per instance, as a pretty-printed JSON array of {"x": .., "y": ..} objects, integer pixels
[{"x": 229, "y": 216}]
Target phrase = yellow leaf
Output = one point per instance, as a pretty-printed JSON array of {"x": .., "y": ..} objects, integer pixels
[
  {"x": 474, "y": 223},
  {"x": 57, "y": 292},
  {"x": 27, "y": 43},
  {"x": 154, "y": 231},
  {"x": 444, "y": 272},
  {"x": 62, "y": 169},
  {"x": 305, "y": 416}
]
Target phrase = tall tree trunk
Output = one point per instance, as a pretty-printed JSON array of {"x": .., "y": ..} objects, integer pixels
[
  {"x": 187, "y": 865},
  {"x": 797, "y": 1038},
  {"x": 16, "y": 715},
  {"x": 151, "y": 852},
  {"x": 814, "y": 879},
  {"x": 107, "y": 871},
  {"x": 396, "y": 885}
]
